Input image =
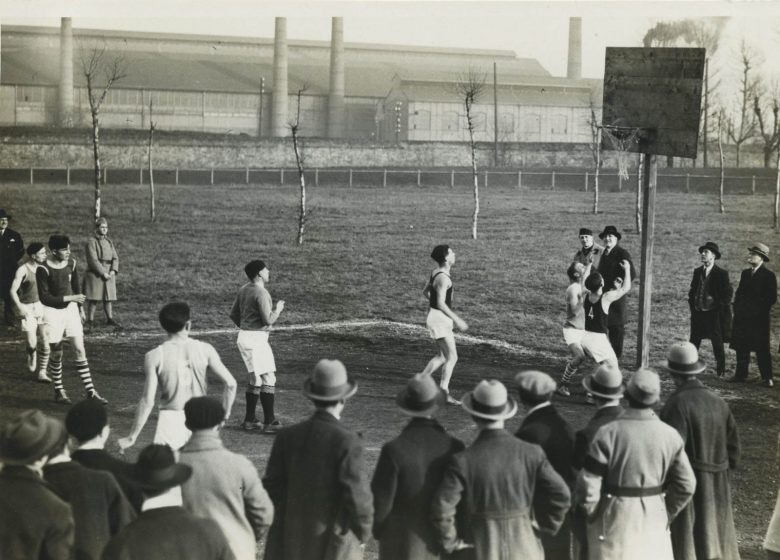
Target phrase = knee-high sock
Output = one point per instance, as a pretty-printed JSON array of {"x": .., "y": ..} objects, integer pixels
[
  {"x": 252, "y": 395},
  {"x": 55, "y": 370},
  {"x": 43, "y": 358},
  {"x": 568, "y": 373},
  {"x": 267, "y": 402},
  {"x": 86, "y": 378}
]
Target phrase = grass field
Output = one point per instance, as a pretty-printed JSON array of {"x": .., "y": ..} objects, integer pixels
[{"x": 365, "y": 257}]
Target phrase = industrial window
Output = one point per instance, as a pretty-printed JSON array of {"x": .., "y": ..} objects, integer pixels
[
  {"x": 450, "y": 121},
  {"x": 30, "y": 94},
  {"x": 421, "y": 120},
  {"x": 532, "y": 124},
  {"x": 558, "y": 124}
]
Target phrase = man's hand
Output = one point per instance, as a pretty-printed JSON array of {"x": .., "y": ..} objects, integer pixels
[
  {"x": 279, "y": 306},
  {"x": 78, "y": 298},
  {"x": 460, "y": 544},
  {"x": 625, "y": 264},
  {"x": 125, "y": 443},
  {"x": 462, "y": 325}
]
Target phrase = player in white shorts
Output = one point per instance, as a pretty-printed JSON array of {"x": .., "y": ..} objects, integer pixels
[
  {"x": 574, "y": 327},
  {"x": 441, "y": 318},
  {"x": 254, "y": 314},
  {"x": 24, "y": 293},
  {"x": 179, "y": 367}
]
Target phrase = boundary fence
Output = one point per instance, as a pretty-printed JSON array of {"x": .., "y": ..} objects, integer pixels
[{"x": 669, "y": 180}]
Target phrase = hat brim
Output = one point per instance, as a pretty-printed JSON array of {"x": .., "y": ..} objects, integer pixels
[
  {"x": 603, "y": 234},
  {"x": 510, "y": 409},
  {"x": 345, "y": 392},
  {"x": 759, "y": 252},
  {"x": 408, "y": 407},
  {"x": 179, "y": 473},
  {"x": 55, "y": 435},
  {"x": 693, "y": 369},
  {"x": 647, "y": 399},
  {"x": 586, "y": 382},
  {"x": 711, "y": 249}
]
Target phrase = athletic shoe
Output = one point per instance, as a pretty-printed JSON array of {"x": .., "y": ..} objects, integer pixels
[
  {"x": 453, "y": 400},
  {"x": 43, "y": 378},
  {"x": 32, "y": 361},
  {"x": 769, "y": 383},
  {"x": 272, "y": 427},
  {"x": 95, "y": 396},
  {"x": 563, "y": 390},
  {"x": 251, "y": 425},
  {"x": 61, "y": 397}
]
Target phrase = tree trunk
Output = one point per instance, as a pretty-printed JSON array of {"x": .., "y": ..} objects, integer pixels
[
  {"x": 777, "y": 190},
  {"x": 767, "y": 156},
  {"x": 721, "y": 207},
  {"x": 474, "y": 175},
  {"x": 639, "y": 178},
  {"x": 96, "y": 153},
  {"x": 151, "y": 167},
  {"x": 596, "y": 174},
  {"x": 302, "y": 180},
  {"x": 739, "y": 149}
]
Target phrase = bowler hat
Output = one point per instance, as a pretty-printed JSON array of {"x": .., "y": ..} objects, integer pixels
[
  {"x": 585, "y": 231},
  {"x": 761, "y": 250},
  {"x": 86, "y": 419},
  {"x": 3, "y": 214},
  {"x": 606, "y": 382},
  {"x": 157, "y": 469},
  {"x": 421, "y": 396},
  {"x": 683, "y": 359},
  {"x": 535, "y": 384},
  {"x": 329, "y": 382},
  {"x": 30, "y": 436},
  {"x": 712, "y": 247},
  {"x": 610, "y": 230},
  {"x": 644, "y": 387},
  {"x": 202, "y": 413},
  {"x": 489, "y": 400}
]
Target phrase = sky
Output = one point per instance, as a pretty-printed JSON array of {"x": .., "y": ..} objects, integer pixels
[{"x": 532, "y": 29}]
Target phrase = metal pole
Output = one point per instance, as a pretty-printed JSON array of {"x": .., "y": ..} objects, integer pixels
[
  {"x": 316, "y": 176},
  {"x": 495, "y": 116},
  {"x": 247, "y": 174},
  {"x": 177, "y": 175},
  {"x": 646, "y": 272},
  {"x": 140, "y": 175},
  {"x": 350, "y": 177},
  {"x": 212, "y": 175},
  {"x": 418, "y": 177},
  {"x": 519, "y": 180},
  {"x": 687, "y": 182},
  {"x": 586, "y": 181},
  {"x": 553, "y": 180},
  {"x": 486, "y": 178},
  {"x": 31, "y": 176},
  {"x": 753, "y": 185},
  {"x": 384, "y": 177},
  {"x": 68, "y": 175},
  {"x": 452, "y": 179},
  {"x": 105, "y": 175},
  {"x": 281, "y": 175}
]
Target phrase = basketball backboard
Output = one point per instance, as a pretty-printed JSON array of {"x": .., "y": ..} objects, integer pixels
[{"x": 657, "y": 90}]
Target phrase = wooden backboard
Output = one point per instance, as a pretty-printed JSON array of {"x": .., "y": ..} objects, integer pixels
[{"x": 657, "y": 90}]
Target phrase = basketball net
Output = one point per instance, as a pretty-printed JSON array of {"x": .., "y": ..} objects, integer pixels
[{"x": 621, "y": 139}]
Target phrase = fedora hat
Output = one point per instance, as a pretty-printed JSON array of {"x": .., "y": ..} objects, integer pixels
[
  {"x": 3, "y": 214},
  {"x": 421, "y": 396},
  {"x": 30, "y": 436},
  {"x": 329, "y": 382},
  {"x": 610, "y": 230},
  {"x": 157, "y": 469},
  {"x": 712, "y": 247},
  {"x": 489, "y": 400},
  {"x": 761, "y": 250},
  {"x": 605, "y": 382},
  {"x": 535, "y": 384},
  {"x": 645, "y": 387},
  {"x": 683, "y": 359}
]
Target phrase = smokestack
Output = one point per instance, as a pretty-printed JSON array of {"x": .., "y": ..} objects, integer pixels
[
  {"x": 574, "y": 70},
  {"x": 279, "y": 113},
  {"x": 65, "y": 93},
  {"x": 336, "y": 94}
]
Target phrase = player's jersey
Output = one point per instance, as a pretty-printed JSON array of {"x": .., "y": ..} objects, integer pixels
[
  {"x": 595, "y": 318},
  {"x": 28, "y": 289},
  {"x": 434, "y": 295}
]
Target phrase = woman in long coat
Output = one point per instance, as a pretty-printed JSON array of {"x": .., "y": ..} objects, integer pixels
[{"x": 102, "y": 268}]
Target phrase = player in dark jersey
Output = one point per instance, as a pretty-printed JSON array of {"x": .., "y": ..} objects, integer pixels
[
  {"x": 441, "y": 318},
  {"x": 595, "y": 340}
]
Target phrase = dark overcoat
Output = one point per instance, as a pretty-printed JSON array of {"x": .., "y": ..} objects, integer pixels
[
  {"x": 545, "y": 427},
  {"x": 100, "y": 459},
  {"x": 719, "y": 288},
  {"x": 11, "y": 251},
  {"x": 510, "y": 493},
  {"x": 705, "y": 528},
  {"x": 322, "y": 501},
  {"x": 609, "y": 268},
  {"x": 753, "y": 300},
  {"x": 408, "y": 473},
  {"x": 25, "y": 532},
  {"x": 592, "y": 257},
  {"x": 100, "y": 508}
]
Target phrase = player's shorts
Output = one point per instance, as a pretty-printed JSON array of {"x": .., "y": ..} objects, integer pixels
[
  {"x": 171, "y": 430},
  {"x": 572, "y": 335},
  {"x": 597, "y": 346},
  {"x": 62, "y": 323},
  {"x": 33, "y": 316},
  {"x": 439, "y": 325},
  {"x": 257, "y": 354}
]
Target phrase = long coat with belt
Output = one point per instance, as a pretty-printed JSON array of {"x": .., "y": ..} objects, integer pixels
[
  {"x": 545, "y": 427},
  {"x": 753, "y": 300},
  {"x": 636, "y": 451},
  {"x": 609, "y": 268},
  {"x": 510, "y": 492},
  {"x": 719, "y": 288},
  {"x": 408, "y": 473},
  {"x": 322, "y": 501},
  {"x": 101, "y": 259},
  {"x": 705, "y": 528}
]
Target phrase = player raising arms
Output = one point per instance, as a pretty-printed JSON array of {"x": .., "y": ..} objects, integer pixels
[
  {"x": 574, "y": 327},
  {"x": 441, "y": 318}
]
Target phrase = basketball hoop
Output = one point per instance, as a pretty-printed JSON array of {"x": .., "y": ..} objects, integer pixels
[{"x": 624, "y": 140}]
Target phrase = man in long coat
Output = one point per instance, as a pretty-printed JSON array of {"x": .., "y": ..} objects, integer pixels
[
  {"x": 323, "y": 507},
  {"x": 508, "y": 489},
  {"x": 755, "y": 296},
  {"x": 705, "y": 528},
  {"x": 543, "y": 426},
  {"x": 408, "y": 473},
  {"x": 710, "y": 301},
  {"x": 11, "y": 250},
  {"x": 610, "y": 269},
  {"x": 636, "y": 480}
]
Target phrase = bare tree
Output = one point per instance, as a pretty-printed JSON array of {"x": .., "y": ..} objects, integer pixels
[
  {"x": 595, "y": 150},
  {"x": 295, "y": 128},
  {"x": 721, "y": 206},
  {"x": 741, "y": 127},
  {"x": 152, "y": 127},
  {"x": 777, "y": 190},
  {"x": 640, "y": 171},
  {"x": 769, "y": 131},
  {"x": 95, "y": 67},
  {"x": 469, "y": 87}
]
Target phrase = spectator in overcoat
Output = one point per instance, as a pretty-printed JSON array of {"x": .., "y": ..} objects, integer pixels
[
  {"x": 755, "y": 296},
  {"x": 509, "y": 491},
  {"x": 710, "y": 301},
  {"x": 408, "y": 473},
  {"x": 543, "y": 426},
  {"x": 11, "y": 251},
  {"x": 224, "y": 486},
  {"x": 315, "y": 478},
  {"x": 772, "y": 539},
  {"x": 705, "y": 527},
  {"x": 636, "y": 480},
  {"x": 610, "y": 269},
  {"x": 590, "y": 252},
  {"x": 165, "y": 530},
  {"x": 100, "y": 278},
  {"x": 34, "y": 521}
]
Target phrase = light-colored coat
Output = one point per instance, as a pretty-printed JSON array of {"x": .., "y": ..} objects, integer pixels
[
  {"x": 772, "y": 539},
  {"x": 101, "y": 259},
  {"x": 635, "y": 451},
  {"x": 508, "y": 492},
  {"x": 226, "y": 487}
]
